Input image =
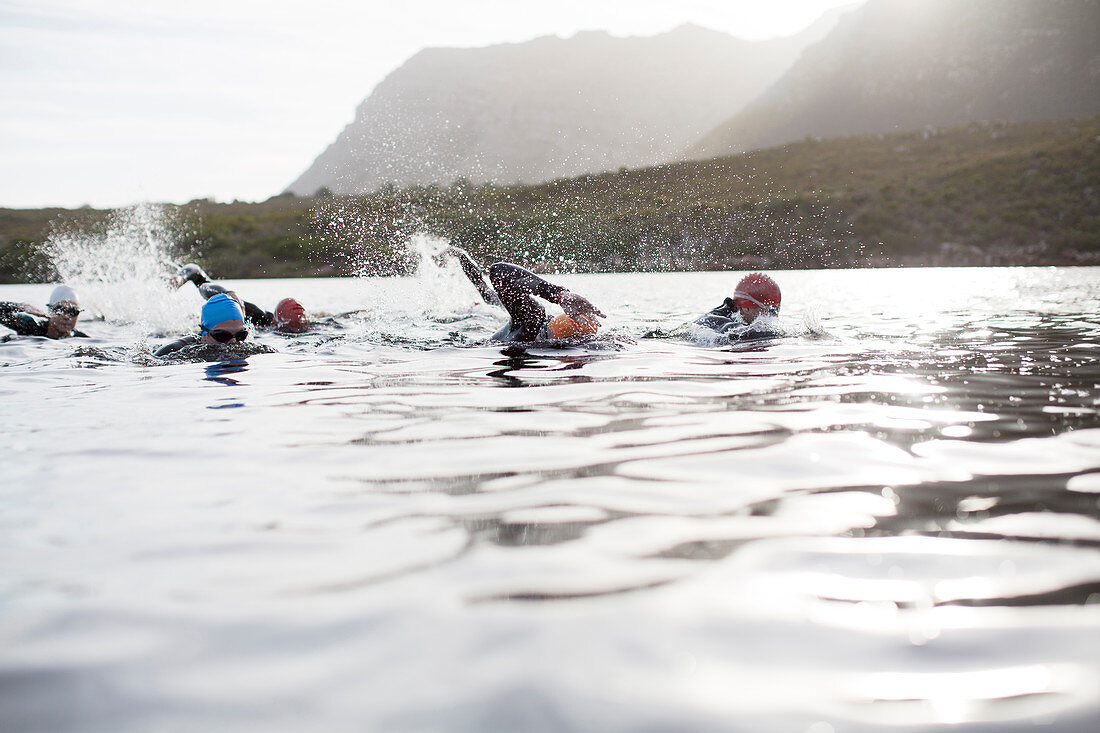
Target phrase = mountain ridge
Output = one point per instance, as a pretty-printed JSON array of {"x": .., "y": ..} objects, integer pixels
[
  {"x": 548, "y": 108},
  {"x": 903, "y": 64}
]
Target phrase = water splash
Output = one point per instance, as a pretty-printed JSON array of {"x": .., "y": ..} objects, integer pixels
[
  {"x": 439, "y": 276},
  {"x": 437, "y": 292},
  {"x": 120, "y": 272},
  {"x": 764, "y": 327},
  {"x": 811, "y": 325}
]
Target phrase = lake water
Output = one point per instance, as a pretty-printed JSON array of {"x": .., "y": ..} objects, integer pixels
[{"x": 887, "y": 519}]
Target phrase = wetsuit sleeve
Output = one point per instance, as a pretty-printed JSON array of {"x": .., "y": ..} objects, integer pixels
[
  {"x": 719, "y": 318},
  {"x": 194, "y": 274},
  {"x": 209, "y": 290},
  {"x": 7, "y": 313},
  {"x": 257, "y": 316},
  {"x": 725, "y": 310},
  {"x": 79, "y": 334},
  {"x": 25, "y": 324},
  {"x": 253, "y": 313},
  {"x": 475, "y": 275},
  {"x": 515, "y": 286},
  {"x": 176, "y": 345},
  {"x": 507, "y": 276}
]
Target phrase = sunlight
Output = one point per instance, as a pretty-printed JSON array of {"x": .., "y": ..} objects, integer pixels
[{"x": 959, "y": 697}]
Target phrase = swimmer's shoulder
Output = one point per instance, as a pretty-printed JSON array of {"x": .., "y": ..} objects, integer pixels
[
  {"x": 717, "y": 322},
  {"x": 26, "y": 324},
  {"x": 176, "y": 345},
  {"x": 721, "y": 319}
]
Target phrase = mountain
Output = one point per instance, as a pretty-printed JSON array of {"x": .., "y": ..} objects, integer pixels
[
  {"x": 904, "y": 64},
  {"x": 549, "y": 107}
]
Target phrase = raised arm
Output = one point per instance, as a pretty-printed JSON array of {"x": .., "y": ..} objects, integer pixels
[
  {"x": 512, "y": 278},
  {"x": 474, "y": 274},
  {"x": 190, "y": 274}
]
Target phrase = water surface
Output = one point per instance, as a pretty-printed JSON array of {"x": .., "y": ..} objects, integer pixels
[{"x": 886, "y": 518}]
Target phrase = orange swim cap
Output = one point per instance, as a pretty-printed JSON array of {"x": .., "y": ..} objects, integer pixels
[{"x": 564, "y": 327}]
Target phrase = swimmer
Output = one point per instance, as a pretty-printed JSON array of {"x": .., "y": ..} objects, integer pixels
[
  {"x": 512, "y": 287},
  {"x": 289, "y": 315},
  {"x": 58, "y": 323},
  {"x": 221, "y": 322},
  {"x": 755, "y": 296}
]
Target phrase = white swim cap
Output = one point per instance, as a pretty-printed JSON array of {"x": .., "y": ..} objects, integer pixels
[{"x": 62, "y": 292}]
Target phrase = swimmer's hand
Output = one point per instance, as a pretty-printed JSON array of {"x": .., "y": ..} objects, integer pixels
[
  {"x": 452, "y": 251},
  {"x": 190, "y": 273},
  {"x": 440, "y": 257},
  {"x": 577, "y": 305}
]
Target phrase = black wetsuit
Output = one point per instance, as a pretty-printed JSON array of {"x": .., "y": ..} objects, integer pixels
[
  {"x": 189, "y": 340},
  {"x": 512, "y": 287},
  {"x": 726, "y": 320},
  {"x": 722, "y": 318},
  {"x": 476, "y": 276},
  {"x": 253, "y": 313},
  {"x": 14, "y": 317}
]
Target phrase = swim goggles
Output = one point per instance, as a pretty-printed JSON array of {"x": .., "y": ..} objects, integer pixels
[
  {"x": 744, "y": 300},
  {"x": 224, "y": 337},
  {"x": 65, "y": 310}
]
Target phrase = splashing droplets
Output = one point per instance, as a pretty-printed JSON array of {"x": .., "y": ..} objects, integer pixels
[{"x": 120, "y": 269}]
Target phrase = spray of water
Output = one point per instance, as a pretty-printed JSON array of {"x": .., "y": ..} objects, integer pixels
[
  {"x": 436, "y": 293},
  {"x": 812, "y": 326},
  {"x": 121, "y": 271},
  {"x": 439, "y": 276}
]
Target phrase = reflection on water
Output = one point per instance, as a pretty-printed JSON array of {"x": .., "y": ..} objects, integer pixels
[
  {"x": 219, "y": 371},
  {"x": 888, "y": 518},
  {"x": 517, "y": 364}
]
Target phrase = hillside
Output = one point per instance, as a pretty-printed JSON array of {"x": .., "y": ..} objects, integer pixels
[
  {"x": 903, "y": 64},
  {"x": 981, "y": 194},
  {"x": 548, "y": 108}
]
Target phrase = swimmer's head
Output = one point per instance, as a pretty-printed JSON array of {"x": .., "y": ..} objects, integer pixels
[
  {"x": 222, "y": 321},
  {"x": 64, "y": 310},
  {"x": 218, "y": 309},
  {"x": 564, "y": 327},
  {"x": 290, "y": 315},
  {"x": 756, "y": 294},
  {"x": 62, "y": 293}
]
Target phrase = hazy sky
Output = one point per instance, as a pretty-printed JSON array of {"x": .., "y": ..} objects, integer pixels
[{"x": 112, "y": 102}]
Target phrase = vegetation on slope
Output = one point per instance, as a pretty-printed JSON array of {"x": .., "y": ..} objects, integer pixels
[{"x": 982, "y": 194}]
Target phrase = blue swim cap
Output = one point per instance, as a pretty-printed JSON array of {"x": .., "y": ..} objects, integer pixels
[{"x": 220, "y": 308}]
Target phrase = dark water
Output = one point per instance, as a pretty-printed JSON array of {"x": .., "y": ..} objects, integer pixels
[{"x": 887, "y": 518}]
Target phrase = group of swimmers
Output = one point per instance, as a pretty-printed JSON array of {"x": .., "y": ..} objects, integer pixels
[
  {"x": 226, "y": 318},
  {"x": 513, "y": 288}
]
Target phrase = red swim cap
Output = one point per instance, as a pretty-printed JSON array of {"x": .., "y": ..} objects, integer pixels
[
  {"x": 756, "y": 291},
  {"x": 290, "y": 315},
  {"x": 564, "y": 327}
]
